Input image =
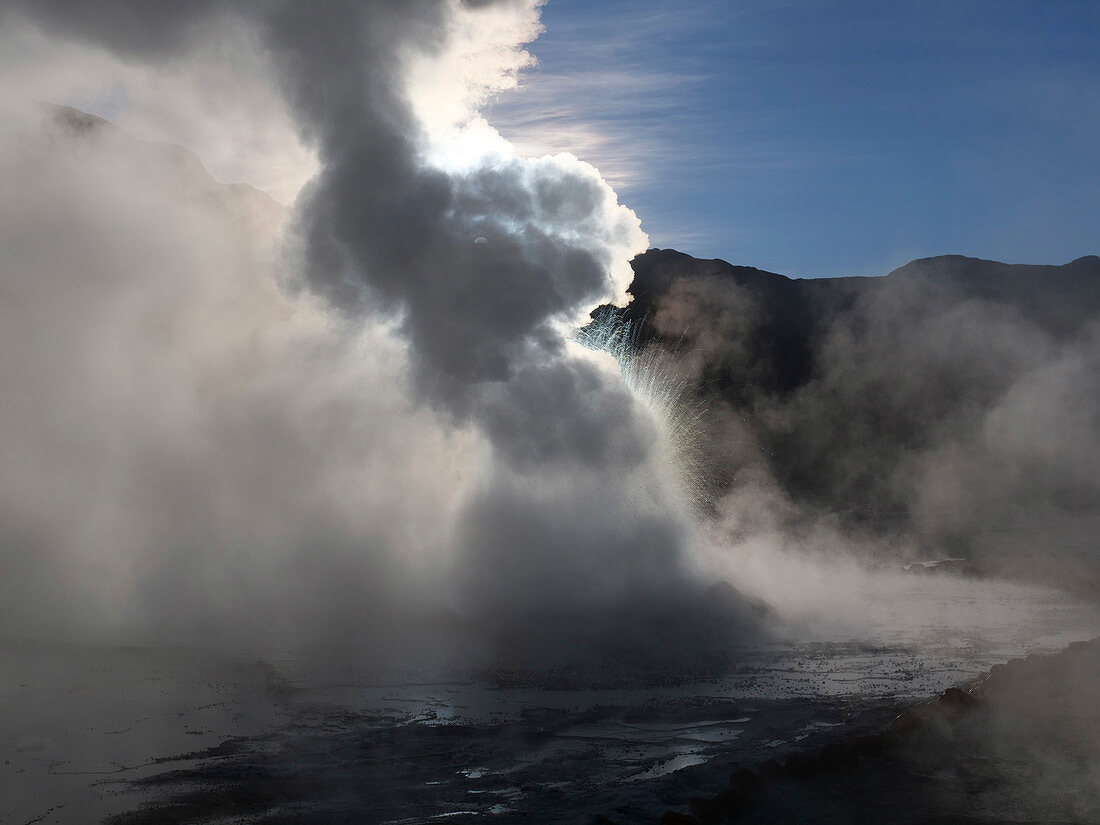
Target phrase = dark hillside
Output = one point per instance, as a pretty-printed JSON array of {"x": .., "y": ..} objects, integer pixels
[{"x": 954, "y": 402}]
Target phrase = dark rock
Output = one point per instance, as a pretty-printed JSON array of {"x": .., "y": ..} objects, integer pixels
[
  {"x": 948, "y": 772},
  {"x": 705, "y": 810},
  {"x": 838, "y": 756},
  {"x": 803, "y": 766},
  {"x": 734, "y": 800},
  {"x": 747, "y": 779},
  {"x": 674, "y": 818},
  {"x": 875, "y": 744},
  {"x": 908, "y": 722},
  {"x": 958, "y": 700},
  {"x": 771, "y": 771},
  {"x": 996, "y": 672},
  {"x": 728, "y": 802},
  {"x": 724, "y": 600}
]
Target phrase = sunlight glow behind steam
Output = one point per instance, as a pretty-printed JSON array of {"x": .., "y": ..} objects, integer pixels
[{"x": 401, "y": 432}]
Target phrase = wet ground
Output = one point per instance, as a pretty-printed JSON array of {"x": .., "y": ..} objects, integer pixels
[{"x": 140, "y": 735}]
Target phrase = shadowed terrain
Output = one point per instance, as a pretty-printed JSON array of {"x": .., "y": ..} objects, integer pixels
[
  {"x": 1018, "y": 745},
  {"x": 951, "y": 407}
]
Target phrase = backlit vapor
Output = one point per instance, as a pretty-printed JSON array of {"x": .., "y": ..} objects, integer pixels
[
  {"x": 343, "y": 419},
  {"x": 191, "y": 449}
]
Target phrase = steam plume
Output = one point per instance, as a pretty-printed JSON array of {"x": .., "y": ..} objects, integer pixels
[{"x": 246, "y": 419}]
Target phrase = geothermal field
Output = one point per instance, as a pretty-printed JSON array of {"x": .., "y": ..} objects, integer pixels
[
  {"x": 364, "y": 460},
  {"x": 145, "y": 735}
]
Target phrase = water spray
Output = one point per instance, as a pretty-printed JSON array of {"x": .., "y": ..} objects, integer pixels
[{"x": 646, "y": 372}]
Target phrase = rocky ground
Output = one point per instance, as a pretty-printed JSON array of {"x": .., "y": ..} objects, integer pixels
[
  {"x": 832, "y": 728},
  {"x": 1021, "y": 744}
]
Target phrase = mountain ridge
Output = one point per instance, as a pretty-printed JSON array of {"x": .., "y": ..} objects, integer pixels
[{"x": 936, "y": 405}]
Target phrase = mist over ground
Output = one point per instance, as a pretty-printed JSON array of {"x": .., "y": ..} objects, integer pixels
[
  {"x": 948, "y": 409},
  {"x": 339, "y": 421}
]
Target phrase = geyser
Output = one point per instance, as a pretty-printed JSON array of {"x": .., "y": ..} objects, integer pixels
[{"x": 246, "y": 425}]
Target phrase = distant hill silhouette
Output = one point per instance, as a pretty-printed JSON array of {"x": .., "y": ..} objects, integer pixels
[
  {"x": 954, "y": 401},
  {"x": 796, "y": 311}
]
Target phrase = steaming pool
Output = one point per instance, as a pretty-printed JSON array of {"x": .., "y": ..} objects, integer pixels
[{"x": 91, "y": 732}]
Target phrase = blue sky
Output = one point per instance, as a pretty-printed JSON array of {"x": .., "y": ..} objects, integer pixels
[{"x": 830, "y": 138}]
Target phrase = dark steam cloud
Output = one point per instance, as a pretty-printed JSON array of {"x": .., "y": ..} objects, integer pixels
[{"x": 350, "y": 417}]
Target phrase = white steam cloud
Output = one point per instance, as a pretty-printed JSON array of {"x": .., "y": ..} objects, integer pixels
[{"x": 230, "y": 420}]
